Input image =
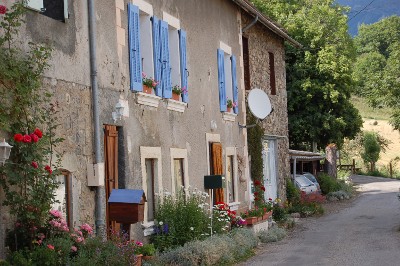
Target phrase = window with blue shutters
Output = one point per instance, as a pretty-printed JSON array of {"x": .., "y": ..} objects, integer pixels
[
  {"x": 135, "y": 64},
  {"x": 227, "y": 80}
]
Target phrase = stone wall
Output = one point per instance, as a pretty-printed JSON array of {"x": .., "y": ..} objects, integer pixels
[{"x": 261, "y": 41}]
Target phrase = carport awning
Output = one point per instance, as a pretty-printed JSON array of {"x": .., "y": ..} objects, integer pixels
[{"x": 307, "y": 158}]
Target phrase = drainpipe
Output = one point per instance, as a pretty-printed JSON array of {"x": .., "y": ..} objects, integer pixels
[
  {"x": 100, "y": 193},
  {"x": 250, "y": 24}
]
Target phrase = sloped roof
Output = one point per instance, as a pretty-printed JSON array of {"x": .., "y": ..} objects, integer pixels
[
  {"x": 305, "y": 155},
  {"x": 266, "y": 21}
]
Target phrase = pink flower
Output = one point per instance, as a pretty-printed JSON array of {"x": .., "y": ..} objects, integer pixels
[
  {"x": 87, "y": 228},
  {"x": 27, "y": 139},
  {"x": 34, "y": 137},
  {"x": 140, "y": 244},
  {"x": 50, "y": 247},
  {"x": 18, "y": 137},
  {"x": 38, "y": 133},
  {"x": 3, "y": 9},
  {"x": 35, "y": 165},
  {"x": 144, "y": 75},
  {"x": 74, "y": 249},
  {"x": 79, "y": 239},
  {"x": 56, "y": 213}
]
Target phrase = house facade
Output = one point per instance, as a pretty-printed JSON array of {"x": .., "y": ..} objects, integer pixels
[{"x": 159, "y": 144}]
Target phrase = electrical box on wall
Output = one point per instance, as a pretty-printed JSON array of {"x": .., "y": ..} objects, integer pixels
[{"x": 95, "y": 174}]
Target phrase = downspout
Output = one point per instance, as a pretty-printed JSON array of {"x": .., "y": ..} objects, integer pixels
[
  {"x": 250, "y": 24},
  {"x": 100, "y": 193}
]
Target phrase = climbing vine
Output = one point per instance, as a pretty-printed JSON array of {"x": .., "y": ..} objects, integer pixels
[{"x": 28, "y": 117}]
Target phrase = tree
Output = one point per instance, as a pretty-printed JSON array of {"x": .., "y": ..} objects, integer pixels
[
  {"x": 378, "y": 65},
  {"x": 319, "y": 76},
  {"x": 371, "y": 150}
]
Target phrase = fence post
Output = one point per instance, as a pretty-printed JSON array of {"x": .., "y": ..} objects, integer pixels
[
  {"x": 353, "y": 167},
  {"x": 391, "y": 169}
]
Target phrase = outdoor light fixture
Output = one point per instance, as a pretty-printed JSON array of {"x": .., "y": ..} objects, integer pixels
[
  {"x": 119, "y": 111},
  {"x": 5, "y": 150}
]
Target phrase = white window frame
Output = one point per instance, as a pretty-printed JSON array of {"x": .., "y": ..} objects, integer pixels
[
  {"x": 179, "y": 154},
  {"x": 150, "y": 153},
  {"x": 232, "y": 151},
  {"x": 228, "y": 116}
]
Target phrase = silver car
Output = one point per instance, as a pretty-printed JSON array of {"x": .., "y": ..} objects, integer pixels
[
  {"x": 312, "y": 178},
  {"x": 304, "y": 184}
]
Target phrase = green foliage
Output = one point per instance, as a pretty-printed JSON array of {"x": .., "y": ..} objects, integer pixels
[
  {"x": 319, "y": 76},
  {"x": 185, "y": 218},
  {"x": 254, "y": 142},
  {"x": 371, "y": 150},
  {"x": 146, "y": 250},
  {"x": 279, "y": 213},
  {"x": 292, "y": 193},
  {"x": 378, "y": 64},
  {"x": 215, "y": 250},
  {"x": 327, "y": 183},
  {"x": 274, "y": 234},
  {"x": 27, "y": 178}
]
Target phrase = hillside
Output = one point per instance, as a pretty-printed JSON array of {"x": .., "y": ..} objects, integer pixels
[
  {"x": 377, "y": 120},
  {"x": 368, "y": 11}
]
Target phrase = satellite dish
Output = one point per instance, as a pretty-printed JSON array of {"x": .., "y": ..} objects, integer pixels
[{"x": 259, "y": 103}]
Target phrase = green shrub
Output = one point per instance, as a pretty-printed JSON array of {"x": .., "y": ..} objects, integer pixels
[
  {"x": 292, "y": 193},
  {"x": 273, "y": 234},
  {"x": 327, "y": 183},
  {"x": 215, "y": 250},
  {"x": 146, "y": 250},
  {"x": 279, "y": 213}
]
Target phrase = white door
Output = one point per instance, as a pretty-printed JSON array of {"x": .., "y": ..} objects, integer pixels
[{"x": 269, "y": 169}]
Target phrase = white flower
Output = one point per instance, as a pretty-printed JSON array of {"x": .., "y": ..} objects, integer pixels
[
  {"x": 160, "y": 223},
  {"x": 191, "y": 228}
]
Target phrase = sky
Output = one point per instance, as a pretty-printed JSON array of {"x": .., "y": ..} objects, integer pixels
[{"x": 369, "y": 11}]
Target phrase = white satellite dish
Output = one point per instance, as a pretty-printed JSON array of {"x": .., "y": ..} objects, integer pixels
[{"x": 259, "y": 105}]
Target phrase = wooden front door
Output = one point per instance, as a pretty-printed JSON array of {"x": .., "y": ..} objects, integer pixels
[
  {"x": 217, "y": 168},
  {"x": 111, "y": 169}
]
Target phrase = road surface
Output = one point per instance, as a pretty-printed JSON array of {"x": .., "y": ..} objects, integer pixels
[{"x": 365, "y": 233}]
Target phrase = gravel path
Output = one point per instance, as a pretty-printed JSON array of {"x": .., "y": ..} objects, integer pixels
[{"x": 362, "y": 231}]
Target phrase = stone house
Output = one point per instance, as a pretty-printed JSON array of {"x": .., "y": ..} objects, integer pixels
[{"x": 159, "y": 144}]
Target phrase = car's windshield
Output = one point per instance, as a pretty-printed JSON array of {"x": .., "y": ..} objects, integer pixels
[
  {"x": 303, "y": 181},
  {"x": 310, "y": 177}
]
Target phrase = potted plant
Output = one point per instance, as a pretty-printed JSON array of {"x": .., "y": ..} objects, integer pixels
[
  {"x": 230, "y": 104},
  {"x": 177, "y": 91},
  {"x": 146, "y": 250},
  {"x": 148, "y": 84}
]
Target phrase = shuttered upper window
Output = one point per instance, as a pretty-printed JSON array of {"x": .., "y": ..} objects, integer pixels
[
  {"x": 227, "y": 82},
  {"x": 55, "y": 9}
]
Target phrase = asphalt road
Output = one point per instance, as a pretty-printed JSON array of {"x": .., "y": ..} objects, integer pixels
[{"x": 365, "y": 233}]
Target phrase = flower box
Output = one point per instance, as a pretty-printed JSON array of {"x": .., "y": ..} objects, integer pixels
[
  {"x": 175, "y": 96},
  {"x": 267, "y": 215},
  {"x": 147, "y": 89},
  {"x": 251, "y": 220}
]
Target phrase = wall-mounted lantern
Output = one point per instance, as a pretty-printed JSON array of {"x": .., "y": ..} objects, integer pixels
[{"x": 5, "y": 150}]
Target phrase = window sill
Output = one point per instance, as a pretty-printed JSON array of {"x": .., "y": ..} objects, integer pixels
[
  {"x": 176, "y": 106},
  {"x": 234, "y": 206},
  {"x": 147, "y": 99},
  {"x": 148, "y": 228},
  {"x": 231, "y": 117}
]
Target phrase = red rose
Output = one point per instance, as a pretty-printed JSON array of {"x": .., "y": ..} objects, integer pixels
[
  {"x": 27, "y": 139},
  {"x": 48, "y": 169},
  {"x": 34, "y": 165},
  {"x": 3, "y": 9},
  {"x": 34, "y": 137},
  {"x": 270, "y": 199},
  {"x": 38, "y": 133},
  {"x": 263, "y": 188},
  {"x": 18, "y": 137},
  {"x": 257, "y": 182}
]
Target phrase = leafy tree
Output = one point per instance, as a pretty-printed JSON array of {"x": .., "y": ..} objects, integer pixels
[
  {"x": 378, "y": 65},
  {"x": 372, "y": 149},
  {"x": 319, "y": 76}
]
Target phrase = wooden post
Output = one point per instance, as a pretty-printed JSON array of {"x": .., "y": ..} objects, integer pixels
[
  {"x": 391, "y": 169},
  {"x": 353, "y": 167}
]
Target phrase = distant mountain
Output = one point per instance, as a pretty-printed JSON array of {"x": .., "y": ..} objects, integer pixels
[{"x": 369, "y": 11}]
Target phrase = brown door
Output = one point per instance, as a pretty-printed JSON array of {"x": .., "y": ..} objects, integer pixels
[
  {"x": 111, "y": 169},
  {"x": 217, "y": 169}
]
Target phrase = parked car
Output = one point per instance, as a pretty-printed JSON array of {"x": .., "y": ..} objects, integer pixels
[
  {"x": 313, "y": 179},
  {"x": 304, "y": 184}
]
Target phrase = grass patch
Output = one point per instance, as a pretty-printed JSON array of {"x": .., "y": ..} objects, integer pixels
[{"x": 367, "y": 111}]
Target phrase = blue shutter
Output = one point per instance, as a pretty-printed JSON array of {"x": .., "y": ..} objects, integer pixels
[
  {"x": 234, "y": 84},
  {"x": 166, "y": 68},
  {"x": 157, "y": 55},
  {"x": 221, "y": 80},
  {"x": 184, "y": 71},
  {"x": 135, "y": 64}
]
